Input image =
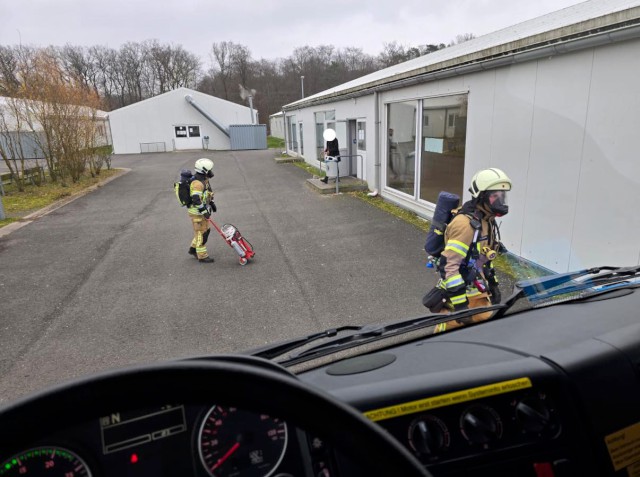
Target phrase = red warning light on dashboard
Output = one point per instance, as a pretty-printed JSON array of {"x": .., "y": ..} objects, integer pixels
[{"x": 134, "y": 458}]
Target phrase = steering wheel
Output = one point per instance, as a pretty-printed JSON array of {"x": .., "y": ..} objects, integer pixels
[{"x": 250, "y": 383}]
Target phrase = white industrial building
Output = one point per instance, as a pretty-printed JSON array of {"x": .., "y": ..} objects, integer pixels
[
  {"x": 552, "y": 101},
  {"x": 276, "y": 125},
  {"x": 17, "y": 134},
  {"x": 178, "y": 120}
]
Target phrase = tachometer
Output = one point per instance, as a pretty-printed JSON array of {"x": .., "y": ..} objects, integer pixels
[
  {"x": 233, "y": 442},
  {"x": 45, "y": 461}
]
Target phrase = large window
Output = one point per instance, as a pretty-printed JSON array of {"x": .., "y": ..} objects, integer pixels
[
  {"x": 187, "y": 131},
  {"x": 442, "y": 146},
  {"x": 401, "y": 146},
  {"x": 292, "y": 136},
  {"x": 301, "y": 140},
  {"x": 362, "y": 136},
  {"x": 324, "y": 120}
]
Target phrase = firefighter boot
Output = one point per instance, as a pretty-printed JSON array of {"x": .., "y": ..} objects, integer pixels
[
  {"x": 192, "y": 251},
  {"x": 206, "y": 260}
]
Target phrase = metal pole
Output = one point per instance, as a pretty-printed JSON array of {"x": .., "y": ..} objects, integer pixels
[
  {"x": 253, "y": 119},
  {"x": 302, "y": 85},
  {"x": 2, "y": 216}
]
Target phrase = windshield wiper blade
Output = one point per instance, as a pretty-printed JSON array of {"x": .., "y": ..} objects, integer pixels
[
  {"x": 372, "y": 332},
  {"x": 273, "y": 351},
  {"x": 540, "y": 289}
]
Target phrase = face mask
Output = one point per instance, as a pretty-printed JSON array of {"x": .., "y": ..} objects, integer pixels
[{"x": 497, "y": 202}]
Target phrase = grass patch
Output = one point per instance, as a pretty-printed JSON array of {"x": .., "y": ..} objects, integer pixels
[
  {"x": 309, "y": 168},
  {"x": 274, "y": 142},
  {"x": 392, "y": 209},
  {"x": 20, "y": 204},
  {"x": 7, "y": 222}
]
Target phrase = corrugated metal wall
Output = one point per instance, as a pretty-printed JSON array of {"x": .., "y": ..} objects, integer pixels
[
  {"x": 24, "y": 141},
  {"x": 248, "y": 136}
]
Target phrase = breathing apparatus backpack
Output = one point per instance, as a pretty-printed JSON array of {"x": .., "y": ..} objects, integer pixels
[
  {"x": 442, "y": 215},
  {"x": 182, "y": 188}
]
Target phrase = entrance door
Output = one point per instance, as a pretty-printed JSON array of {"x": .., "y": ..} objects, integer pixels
[
  {"x": 187, "y": 137},
  {"x": 352, "y": 147},
  {"x": 361, "y": 149}
]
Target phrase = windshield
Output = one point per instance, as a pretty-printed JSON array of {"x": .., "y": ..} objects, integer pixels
[{"x": 183, "y": 180}]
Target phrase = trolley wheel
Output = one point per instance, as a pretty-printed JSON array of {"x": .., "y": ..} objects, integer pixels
[{"x": 243, "y": 261}]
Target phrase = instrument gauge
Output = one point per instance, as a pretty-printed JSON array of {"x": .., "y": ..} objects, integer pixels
[
  {"x": 45, "y": 461},
  {"x": 233, "y": 442}
]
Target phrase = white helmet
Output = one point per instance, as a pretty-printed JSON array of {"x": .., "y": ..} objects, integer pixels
[
  {"x": 489, "y": 179},
  {"x": 490, "y": 187},
  {"x": 204, "y": 166}
]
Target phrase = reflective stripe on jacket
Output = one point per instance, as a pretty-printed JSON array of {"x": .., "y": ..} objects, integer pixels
[
  {"x": 458, "y": 238},
  {"x": 201, "y": 195}
]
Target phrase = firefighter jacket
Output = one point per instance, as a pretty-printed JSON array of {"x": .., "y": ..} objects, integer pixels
[
  {"x": 462, "y": 269},
  {"x": 201, "y": 195}
]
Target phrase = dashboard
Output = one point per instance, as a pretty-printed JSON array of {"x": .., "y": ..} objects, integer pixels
[
  {"x": 172, "y": 439},
  {"x": 548, "y": 392}
]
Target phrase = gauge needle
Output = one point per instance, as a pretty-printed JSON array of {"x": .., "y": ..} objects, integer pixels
[{"x": 226, "y": 456}]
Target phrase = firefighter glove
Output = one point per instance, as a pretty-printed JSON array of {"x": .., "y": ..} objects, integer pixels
[
  {"x": 206, "y": 214},
  {"x": 212, "y": 206}
]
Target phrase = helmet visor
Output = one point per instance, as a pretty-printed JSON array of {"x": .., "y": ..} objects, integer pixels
[{"x": 497, "y": 201}]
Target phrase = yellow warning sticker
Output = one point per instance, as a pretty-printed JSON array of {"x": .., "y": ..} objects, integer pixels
[
  {"x": 448, "y": 399},
  {"x": 634, "y": 470},
  {"x": 624, "y": 447}
]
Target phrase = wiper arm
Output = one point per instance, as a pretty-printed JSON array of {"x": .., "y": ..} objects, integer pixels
[
  {"x": 371, "y": 332},
  {"x": 273, "y": 351},
  {"x": 539, "y": 289}
]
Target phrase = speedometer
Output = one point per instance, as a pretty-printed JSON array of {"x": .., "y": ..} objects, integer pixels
[
  {"x": 233, "y": 442},
  {"x": 45, "y": 461}
]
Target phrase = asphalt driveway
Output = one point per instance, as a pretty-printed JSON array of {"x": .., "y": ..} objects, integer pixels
[{"x": 106, "y": 281}]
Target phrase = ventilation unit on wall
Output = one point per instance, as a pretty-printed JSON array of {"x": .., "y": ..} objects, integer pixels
[{"x": 248, "y": 136}]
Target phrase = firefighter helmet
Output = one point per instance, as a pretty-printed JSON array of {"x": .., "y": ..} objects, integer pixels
[
  {"x": 204, "y": 166},
  {"x": 489, "y": 179}
]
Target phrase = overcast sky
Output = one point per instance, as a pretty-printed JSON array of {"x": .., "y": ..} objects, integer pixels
[{"x": 269, "y": 28}]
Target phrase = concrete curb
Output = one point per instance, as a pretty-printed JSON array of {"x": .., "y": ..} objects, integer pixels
[
  {"x": 347, "y": 184},
  {"x": 27, "y": 219}
]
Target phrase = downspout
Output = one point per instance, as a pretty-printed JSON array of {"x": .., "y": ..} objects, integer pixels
[
  {"x": 190, "y": 100},
  {"x": 284, "y": 129},
  {"x": 378, "y": 147}
]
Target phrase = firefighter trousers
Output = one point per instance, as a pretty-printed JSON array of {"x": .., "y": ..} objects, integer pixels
[
  {"x": 475, "y": 301},
  {"x": 201, "y": 231}
]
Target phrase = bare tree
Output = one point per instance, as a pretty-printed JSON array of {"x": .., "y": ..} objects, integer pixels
[
  {"x": 12, "y": 129},
  {"x": 222, "y": 64},
  {"x": 462, "y": 38},
  {"x": 61, "y": 113},
  {"x": 9, "y": 82}
]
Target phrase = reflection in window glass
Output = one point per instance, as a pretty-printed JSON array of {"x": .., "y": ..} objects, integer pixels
[
  {"x": 330, "y": 114},
  {"x": 341, "y": 135},
  {"x": 320, "y": 141},
  {"x": 401, "y": 146},
  {"x": 181, "y": 131},
  {"x": 362, "y": 137},
  {"x": 301, "y": 141},
  {"x": 442, "y": 146},
  {"x": 291, "y": 128}
]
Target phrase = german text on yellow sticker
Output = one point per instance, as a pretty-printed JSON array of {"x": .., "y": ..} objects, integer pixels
[
  {"x": 624, "y": 446},
  {"x": 448, "y": 399}
]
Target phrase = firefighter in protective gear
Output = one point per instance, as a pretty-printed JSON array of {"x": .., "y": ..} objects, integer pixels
[
  {"x": 202, "y": 206},
  {"x": 468, "y": 279}
]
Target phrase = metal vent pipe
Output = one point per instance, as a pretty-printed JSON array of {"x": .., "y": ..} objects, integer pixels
[{"x": 191, "y": 101}]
